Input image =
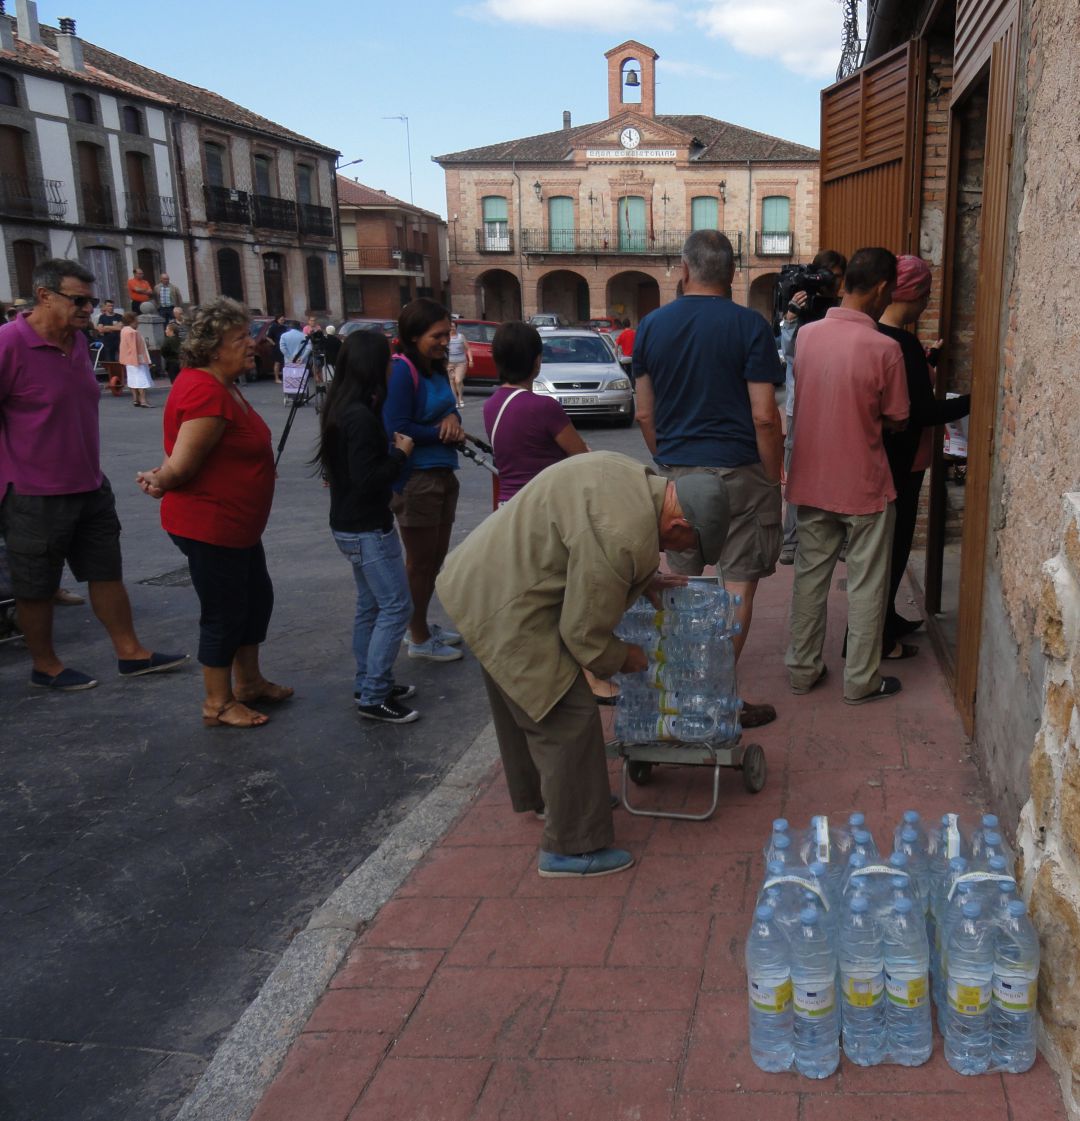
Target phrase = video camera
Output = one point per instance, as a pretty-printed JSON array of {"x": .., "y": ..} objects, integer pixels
[{"x": 819, "y": 284}]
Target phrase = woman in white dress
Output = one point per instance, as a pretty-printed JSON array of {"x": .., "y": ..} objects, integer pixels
[{"x": 136, "y": 360}]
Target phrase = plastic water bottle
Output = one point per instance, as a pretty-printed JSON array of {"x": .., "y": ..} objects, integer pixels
[
  {"x": 784, "y": 890},
  {"x": 813, "y": 980},
  {"x": 970, "y": 984},
  {"x": 911, "y": 820},
  {"x": 909, "y": 1030},
  {"x": 950, "y": 919},
  {"x": 768, "y": 973},
  {"x": 863, "y": 842},
  {"x": 909, "y": 844},
  {"x": 862, "y": 984},
  {"x": 999, "y": 907},
  {"x": 780, "y": 827},
  {"x": 988, "y": 823},
  {"x": 852, "y": 882},
  {"x": 1016, "y": 980}
]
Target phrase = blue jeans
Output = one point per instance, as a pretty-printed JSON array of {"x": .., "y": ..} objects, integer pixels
[{"x": 383, "y": 607}]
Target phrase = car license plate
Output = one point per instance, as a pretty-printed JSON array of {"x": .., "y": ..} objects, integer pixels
[{"x": 578, "y": 400}]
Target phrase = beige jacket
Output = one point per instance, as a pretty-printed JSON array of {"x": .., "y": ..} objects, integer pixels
[{"x": 537, "y": 588}]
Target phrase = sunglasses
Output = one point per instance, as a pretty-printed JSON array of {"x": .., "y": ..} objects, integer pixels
[{"x": 78, "y": 301}]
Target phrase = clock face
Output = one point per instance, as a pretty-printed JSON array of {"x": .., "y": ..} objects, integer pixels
[{"x": 630, "y": 138}]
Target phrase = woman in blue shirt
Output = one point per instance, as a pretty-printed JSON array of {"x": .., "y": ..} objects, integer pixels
[{"x": 421, "y": 404}]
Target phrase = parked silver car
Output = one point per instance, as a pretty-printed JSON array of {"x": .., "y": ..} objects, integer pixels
[{"x": 579, "y": 370}]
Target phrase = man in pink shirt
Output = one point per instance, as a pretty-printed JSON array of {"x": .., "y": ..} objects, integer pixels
[
  {"x": 850, "y": 383},
  {"x": 55, "y": 503}
]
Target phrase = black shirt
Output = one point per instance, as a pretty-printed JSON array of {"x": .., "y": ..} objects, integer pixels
[
  {"x": 111, "y": 339},
  {"x": 362, "y": 469},
  {"x": 926, "y": 410}
]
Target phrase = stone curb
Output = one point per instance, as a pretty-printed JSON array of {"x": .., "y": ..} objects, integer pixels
[{"x": 246, "y": 1062}]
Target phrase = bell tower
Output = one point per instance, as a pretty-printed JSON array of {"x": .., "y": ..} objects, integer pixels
[{"x": 632, "y": 79}]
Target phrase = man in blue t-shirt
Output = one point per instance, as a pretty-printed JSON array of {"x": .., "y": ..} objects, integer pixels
[{"x": 706, "y": 372}]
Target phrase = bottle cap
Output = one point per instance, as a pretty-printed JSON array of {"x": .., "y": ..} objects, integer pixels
[
  {"x": 958, "y": 864},
  {"x": 776, "y": 868},
  {"x": 997, "y": 863},
  {"x": 1006, "y": 887},
  {"x": 992, "y": 838},
  {"x": 898, "y": 859},
  {"x": 860, "y": 836},
  {"x": 818, "y": 869},
  {"x": 781, "y": 841},
  {"x": 899, "y": 883},
  {"x": 990, "y": 821},
  {"x": 857, "y": 860},
  {"x": 1017, "y": 908},
  {"x": 911, "y": 817},
  {"x": 908, "y": 835},
  {"x": 859, "y": 903},
  {"x": 808, "y": 916},
  {"x": 780, "y": 825},
  {"x": 972, "y": 909},
  {"x": 902, "y": 906},
  {"x": 764, "y": 913},
  {"x": 857, "y": 820}
]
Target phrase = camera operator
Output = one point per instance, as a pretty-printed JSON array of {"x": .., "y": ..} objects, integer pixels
[{"x": 794, "y": 316}]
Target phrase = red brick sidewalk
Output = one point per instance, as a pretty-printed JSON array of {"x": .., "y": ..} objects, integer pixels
[{"x": 482, "y": 991}]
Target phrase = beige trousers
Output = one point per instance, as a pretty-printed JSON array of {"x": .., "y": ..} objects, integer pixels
[{"x": 821, "y": 535}]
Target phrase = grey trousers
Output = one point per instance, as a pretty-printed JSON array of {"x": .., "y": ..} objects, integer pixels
[
  {"x": 557, "y": 764},
  {"x": 821, "y": 534}
]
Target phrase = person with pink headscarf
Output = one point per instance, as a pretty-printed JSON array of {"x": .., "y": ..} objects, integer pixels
[{"x": 909, "y": 452}]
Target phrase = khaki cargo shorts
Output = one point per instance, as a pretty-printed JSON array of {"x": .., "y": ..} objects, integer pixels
[{"x": 428, "y": 499}]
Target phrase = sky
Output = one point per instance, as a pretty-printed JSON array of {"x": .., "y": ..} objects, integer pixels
[{"x": 472, "y": 72}]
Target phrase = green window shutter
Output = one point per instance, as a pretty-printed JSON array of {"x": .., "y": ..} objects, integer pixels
[
  {"x": 496, "y": 223},
  {"x": 561, "y": 224},
  {"x": 704, "y": 213},
  {"x": 632, "y": 236},
  {"x": 495, "y": 209},
  {"x": 776, "y": 214}
]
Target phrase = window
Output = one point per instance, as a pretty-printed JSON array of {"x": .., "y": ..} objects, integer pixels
[
  {"x": 776, "y": 224},
  {"x": 96, "y": 195},
  {"x": 230, "y": 278},
  {"x": 264, "y": 175},
  {"x": 27, "y": 254},
  {"x": 214, "y": 158},
  {"x": 103, "y": 263},
  {"x": 83, "y": 106},
  {"x": 704, "y": 213},
  {"x": 9, "y": 91},
  {"x": 132, "y": 120},
  {"x": 496, "y": 224},
  {"x": 561, "y": 224},
  {"x": 305, "y": 186},
  {"x": 316, "y": 284},
  {"x": 632, "y": 237},
  {"x": 149, "y": 260}
]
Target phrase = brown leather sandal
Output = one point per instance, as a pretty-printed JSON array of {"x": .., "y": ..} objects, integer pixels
[
  {"x": 265, "y": 691},
  {"x": 216, "y": 719}
]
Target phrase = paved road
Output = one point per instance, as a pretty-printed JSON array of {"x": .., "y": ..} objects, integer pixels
[{"x": 153, "y": 870}]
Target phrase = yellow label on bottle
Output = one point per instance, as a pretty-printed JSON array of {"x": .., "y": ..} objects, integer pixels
[
  {"x": 865, "y": 991},
  {"x": 907, "y": 994},
  {"x": 771, "y": 998},
  {"x": 969, "y": 1000}
]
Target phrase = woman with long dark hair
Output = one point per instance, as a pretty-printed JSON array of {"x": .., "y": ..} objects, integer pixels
[
  {"x": 357, "y": 460},
  {"x": 421, "y": 403}
]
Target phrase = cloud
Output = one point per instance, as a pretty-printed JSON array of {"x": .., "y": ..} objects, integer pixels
[
  {"x": 681, "y": 69},
  {"x": 599, "y": 15},
  {"x": 804, "y": 38}
]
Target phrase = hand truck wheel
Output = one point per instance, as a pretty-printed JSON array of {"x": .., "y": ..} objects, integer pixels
[
  {"x": 753, "y": 768},
  {"x": 640, "y": 773}
]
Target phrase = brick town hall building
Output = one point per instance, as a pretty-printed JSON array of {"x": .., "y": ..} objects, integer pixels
[{"x": 589, "y": 220}]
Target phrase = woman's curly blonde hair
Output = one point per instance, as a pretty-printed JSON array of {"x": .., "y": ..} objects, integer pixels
[{"x": 208, "y": 328}]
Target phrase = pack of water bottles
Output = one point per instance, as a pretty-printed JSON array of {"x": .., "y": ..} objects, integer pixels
[
  {"x": 851, "y": 949},
  {"x": 688, "y": 691}
]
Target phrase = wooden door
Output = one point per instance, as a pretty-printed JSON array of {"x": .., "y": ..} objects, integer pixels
[
  {"x": 14, "y": 183},
  {"x": 274, "y": 284},
  {"x": 96, "y": 205}
]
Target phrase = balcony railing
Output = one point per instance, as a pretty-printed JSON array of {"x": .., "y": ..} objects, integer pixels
[
  {"x": 226, "y": 204},
  {"x": 775, "y": 244},
  {"x": 495, "y": 238},
  {"x": 271, "y": 213},
  {"x": 593, "y": 241},
  {"x": 97, "y": 205},
  {"x": 316, "y": 220},
  {"x": 151, "y": 212},
  {"x": 382, "y": 258},
  {"x": 33, "y": 197}
]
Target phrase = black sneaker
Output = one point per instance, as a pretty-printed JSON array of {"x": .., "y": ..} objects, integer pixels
[
  {"x": 397, "y": 693},
  {"x": 389, "y": 711}
]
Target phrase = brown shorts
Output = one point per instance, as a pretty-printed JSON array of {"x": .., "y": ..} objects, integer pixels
[
  {"x": 428, "y": 500},
  {"x": 755, "y": 534}
]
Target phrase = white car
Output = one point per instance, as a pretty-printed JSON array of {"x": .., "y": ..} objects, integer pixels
[{"x": 580, "y": 371}]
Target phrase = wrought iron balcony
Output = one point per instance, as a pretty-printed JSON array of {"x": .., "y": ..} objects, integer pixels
[
  {"x": 150, "y": 212},
  {"x": 775, "y": 244},
  {"x": 97, "y": 205},
  {"x": 226, "y": 204},
  {"x": 494, "y": 239},
  {"x": 382, "y": 258},
  {"x": 32, "y": 197},
  {"x": 594, "y": 241},
  {"x": 271, "y": 213},
  {"x": 316, "y": 220}
]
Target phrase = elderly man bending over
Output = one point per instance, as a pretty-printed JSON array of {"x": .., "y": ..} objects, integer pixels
[{"x": 536, "y": 590}]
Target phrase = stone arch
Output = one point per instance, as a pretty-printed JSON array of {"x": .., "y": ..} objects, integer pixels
[
  {"x": 564, "y": 291},
  {"x": 498, "y": 295},
  {"x": 632, "y": 295},
  {"x": 763, "y": 294}
]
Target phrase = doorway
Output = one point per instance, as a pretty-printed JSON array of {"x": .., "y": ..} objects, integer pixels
[{"x": 274, "y": 284}]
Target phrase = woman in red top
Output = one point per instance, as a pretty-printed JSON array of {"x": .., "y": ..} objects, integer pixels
[{"x": 216, "y": 486}]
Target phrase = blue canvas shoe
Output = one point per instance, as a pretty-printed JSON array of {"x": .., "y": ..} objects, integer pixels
[{"x": 600, "y": 862}]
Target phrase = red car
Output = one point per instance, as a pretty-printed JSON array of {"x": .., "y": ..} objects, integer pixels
[
  {"x": 605, "y": 324},
  {"x": 478, "y": 334},
  {"x": 264, "y": 346}
]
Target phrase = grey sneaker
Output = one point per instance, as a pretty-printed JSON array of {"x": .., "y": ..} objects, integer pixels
[
  {"x": 444, "y": 634},
  {"x": 434, "y": 650}
]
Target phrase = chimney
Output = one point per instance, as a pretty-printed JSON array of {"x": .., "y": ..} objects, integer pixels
[
  {"x": 68, "y": 47},
  {"x": 566, "y": 118},
  {"x": 26, "y": 14},
  {"x": 7, "y": 40}
]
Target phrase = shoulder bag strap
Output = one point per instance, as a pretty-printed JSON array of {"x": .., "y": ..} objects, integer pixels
[{"x": 499, "y": 415}]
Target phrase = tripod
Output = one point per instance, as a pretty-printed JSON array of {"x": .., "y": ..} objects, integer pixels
[{"x": 303, "y": 394}]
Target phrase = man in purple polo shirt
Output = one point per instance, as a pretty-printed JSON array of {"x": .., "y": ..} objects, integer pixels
[{"x": 55, "y": 503}]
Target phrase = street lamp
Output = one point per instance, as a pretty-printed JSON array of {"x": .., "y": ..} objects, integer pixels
[
  {"x": 339, "y": 166},
  {"x": 408, "y": 146}
]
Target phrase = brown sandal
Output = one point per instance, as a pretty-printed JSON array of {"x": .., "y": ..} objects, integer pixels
[
  {"x": 216, "y": 719},
  {"x": 265, "y": 691}
]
